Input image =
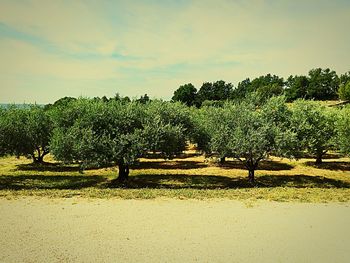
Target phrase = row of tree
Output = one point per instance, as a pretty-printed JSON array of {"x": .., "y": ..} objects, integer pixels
[
  {"x": 320, "y": 84},
  {"x": 97, "y": 133}
]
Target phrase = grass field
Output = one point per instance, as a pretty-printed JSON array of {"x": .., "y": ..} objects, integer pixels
[{"x": 188, "y": 177}]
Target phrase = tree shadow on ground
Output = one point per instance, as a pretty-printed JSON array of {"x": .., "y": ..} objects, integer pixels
[
  {"x": 165, "y": 181},
  {"x": 182, "y": 181},
  {"x": 170, "y": 165},
  {"x": 264, "y": 165},
  {"x": 342, "y": 166},
  {"x": 33, "y": 182},
  {"x": 326, "y": 156},
  {"x": 301, "y": 181},
  {"x": 47, "y": 167},
  {"x": 179, "y": 156},
  {"x": 56, "y": 167}
]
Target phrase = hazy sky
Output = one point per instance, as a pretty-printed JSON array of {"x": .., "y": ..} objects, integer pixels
[{"x": 51, "y": 49}]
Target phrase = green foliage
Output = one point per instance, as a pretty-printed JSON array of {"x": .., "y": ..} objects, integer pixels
[
  {"x": 268, "y": 91},
  {"x": 314, "y": 125},
  {"x": 167, "y": 127},
  {"x": 203, "y": 126},
  {"x": 95, "y": 133},
  {"x": 296, "y": 87},
  {"x": 219, "y": 90},
  {"x": 343, "y": 127},
  {"x": 186, "y": 94},
  {"x": 251, "y": 134},
  {"x": 25, "y": 132},
  {"x": 323, "y": 84},
  {"x": 243, "y": 88},
  {"x": 265, "y": 86},
  {"x": 144, "y": 99},
  {"x": 344, "y": 78},
  {"x": 213, "y": 103},
  {"x": 344, "y": 91},
  {"x": 62, "y": 102}
]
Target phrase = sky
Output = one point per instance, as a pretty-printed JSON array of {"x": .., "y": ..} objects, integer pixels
[{"x": 53, "y": 49}]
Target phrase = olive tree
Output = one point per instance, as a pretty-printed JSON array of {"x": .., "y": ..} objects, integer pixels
[
  {"x": 96, "y": 133},
  {"x": 251, "y": 134},
  {"x": 25, "y": 132},
  {"x": 167, "y": 127},
  {"x": 315, "y": 127},
  {"x": 343, "y": 130},
  {"x": 344, "y": 91},
  {"x": 202, "y": 127}
]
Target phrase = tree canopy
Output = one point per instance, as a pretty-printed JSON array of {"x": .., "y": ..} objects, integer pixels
[
  {"x": 314, "y": 125},
  {"x": 296, "y": 87},
  {"x": 250, "y": 134},
  {"x": 343, "y": 128},
  {"x": 94, "y": 133},
  {"x": 323, "y": 84},
  {"x": 166, "y": 127},
  {"x": 344, "y": 91},
  {"x": 25, "y": 132},
  {"x": 186, "y": 94}
]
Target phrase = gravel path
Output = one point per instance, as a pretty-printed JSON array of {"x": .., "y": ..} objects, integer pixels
[{"x": 81, "y": 230}]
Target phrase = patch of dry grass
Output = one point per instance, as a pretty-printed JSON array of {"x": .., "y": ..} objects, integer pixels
[{"x": 188, "y": 177}]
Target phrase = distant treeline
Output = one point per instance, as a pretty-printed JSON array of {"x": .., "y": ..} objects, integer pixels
[{"x": 320, "y": 84}]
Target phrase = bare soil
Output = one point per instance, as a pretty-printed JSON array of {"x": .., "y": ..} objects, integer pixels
[{"x": 102, "y": 230}]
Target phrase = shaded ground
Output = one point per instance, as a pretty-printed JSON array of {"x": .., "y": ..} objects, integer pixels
[
  {"x": 189, "y": 176},
  {"x": 81, "y": 230},
  {"x": 167, "y": 181},
  {"x": 336, "y": 166}
]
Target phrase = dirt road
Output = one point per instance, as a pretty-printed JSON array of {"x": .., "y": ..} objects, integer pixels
[{"x": 80, "y": 230}]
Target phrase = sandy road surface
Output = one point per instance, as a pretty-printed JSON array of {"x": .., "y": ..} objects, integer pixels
[{"x": 80, "y": 230}]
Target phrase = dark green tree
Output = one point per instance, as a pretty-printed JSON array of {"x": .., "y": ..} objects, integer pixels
[
  {"x": 117, "y": 97},
  {"x": 144, "y": 99},
  {"x": 219, "y": 90},
  {"x": 323, "y": 84},
  {"x": 267, "y": 80},
  {"x": 186, "y": 94},
  {"x": 296, "y": 87},
  {"x": 243, "y": 88},
  {"x": 344, "y": 78},
  {"x": 265, "y": 87},
  {"x": 62, "y": 102}
]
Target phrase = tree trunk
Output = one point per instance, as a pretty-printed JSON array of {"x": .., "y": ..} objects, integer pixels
[
  {"x": 123, "y": 172},
  {"x": 319, "y": 159},
  {"x": 251, "y": 176},
  {"x": 40, "y": 159},
  {"x": 222, "y": 160}
]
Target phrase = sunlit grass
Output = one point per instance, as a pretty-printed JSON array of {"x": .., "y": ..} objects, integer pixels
[{"x": 189, "y": 177}]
